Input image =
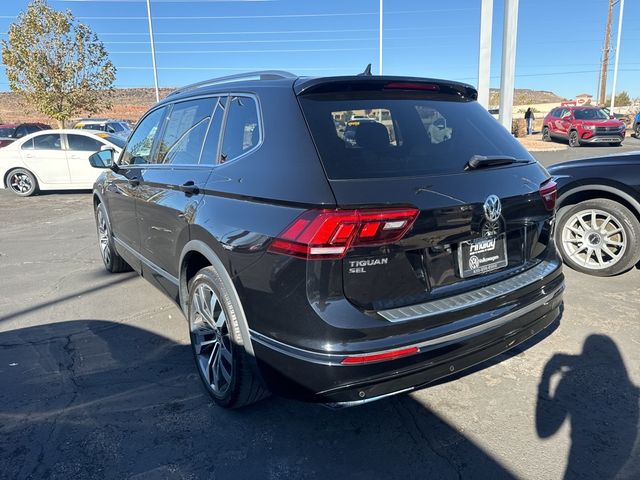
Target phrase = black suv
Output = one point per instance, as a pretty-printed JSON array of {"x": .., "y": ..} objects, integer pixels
[{"x": 329, "y": 270}]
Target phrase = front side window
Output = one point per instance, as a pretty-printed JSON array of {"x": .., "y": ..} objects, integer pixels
[
  {"x": 138, "y": 149},
  {"x": 185, "y": 130},
  {"x": 82, "y": 143},
  {"x": 241, "y": 132},
  {"x": 50, "y": 141}
]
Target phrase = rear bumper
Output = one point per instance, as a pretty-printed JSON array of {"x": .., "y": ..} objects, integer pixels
[{"x": 321, "y": 377}]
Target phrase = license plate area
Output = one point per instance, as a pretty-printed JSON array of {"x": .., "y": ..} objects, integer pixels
[{"x": 482, "y": 255}]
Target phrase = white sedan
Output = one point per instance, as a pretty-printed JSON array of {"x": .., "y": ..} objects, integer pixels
[{"x": 53, "y": 160}]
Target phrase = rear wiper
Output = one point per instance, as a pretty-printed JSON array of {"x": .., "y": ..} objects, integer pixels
[{"x": 479, "y": 161}]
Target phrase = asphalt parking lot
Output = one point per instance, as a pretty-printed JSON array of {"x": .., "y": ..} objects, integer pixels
[{"x": 98, "y": 382}]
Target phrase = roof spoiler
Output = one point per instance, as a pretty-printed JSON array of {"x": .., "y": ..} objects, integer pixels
[{"x": 356, "y": 83}]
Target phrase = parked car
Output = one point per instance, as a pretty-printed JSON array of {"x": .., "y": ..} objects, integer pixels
[
  {"x": 636, "y": 125},
  {"x": 119, "y": 128},
  {"x": 52, "y": 160},
  {"x": 10, "y": 132},
  {"x": 598, "y": 221},
  {"x": 581, "y": 125},
  {"x": 325, "y": 270}
]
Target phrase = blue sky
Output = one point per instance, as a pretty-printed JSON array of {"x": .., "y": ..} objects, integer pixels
[{"x": 559, "y": 41}]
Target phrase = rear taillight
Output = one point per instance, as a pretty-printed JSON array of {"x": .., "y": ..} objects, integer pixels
[
  {"x": 549, "y": 193},
  {"x": 328, "y": 234}
]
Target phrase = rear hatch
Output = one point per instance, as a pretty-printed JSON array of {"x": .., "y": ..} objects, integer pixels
[{"x": 472, "y": 227}]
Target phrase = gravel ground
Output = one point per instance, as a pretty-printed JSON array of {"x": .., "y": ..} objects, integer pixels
[{"x": 98, "y": 382}]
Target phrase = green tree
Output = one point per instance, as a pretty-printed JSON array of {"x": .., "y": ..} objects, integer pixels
[
  {"x": 622, "y": 99},
  {"x": 57, "y": 64}
]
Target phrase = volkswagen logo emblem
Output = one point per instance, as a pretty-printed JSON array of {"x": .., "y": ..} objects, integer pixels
[{"x": 492, "y": 208}]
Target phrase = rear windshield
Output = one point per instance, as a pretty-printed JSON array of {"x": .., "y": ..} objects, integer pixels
[{"x": 373, "y": 135}]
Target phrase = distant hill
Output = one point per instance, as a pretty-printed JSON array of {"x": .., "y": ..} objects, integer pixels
[
  {"x": 130, "y": 103},
  {"x": 525, "y": 96},
  {"x": 127, "y": 104}
]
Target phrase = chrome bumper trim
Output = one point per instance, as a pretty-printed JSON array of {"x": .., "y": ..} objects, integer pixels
[{"x": 472, "y": 298}]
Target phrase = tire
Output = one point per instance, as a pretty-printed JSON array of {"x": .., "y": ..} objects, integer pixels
[
  {"x": 222, "y": 364},
  {"x": 546, "y": 135},
  {"x": 611, "y": 248},
  {"x": 615, "y": 144},
  {"x": 113, "y": 262},
  {"x": 22, "y": 182},
  {"x": 574, "y": 139},
  {"x": 637, "y": 130}
]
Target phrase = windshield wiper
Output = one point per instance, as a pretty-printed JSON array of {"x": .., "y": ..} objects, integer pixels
[{"x": 479, "y": 161}]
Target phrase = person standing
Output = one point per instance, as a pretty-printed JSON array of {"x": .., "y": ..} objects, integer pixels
[{"x": 529, "y": 118}]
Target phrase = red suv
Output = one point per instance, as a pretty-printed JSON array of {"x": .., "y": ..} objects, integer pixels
[{"x": 582, "y": 125}]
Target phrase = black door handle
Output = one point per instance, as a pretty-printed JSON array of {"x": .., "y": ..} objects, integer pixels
[{"x": 189, "y": 188}]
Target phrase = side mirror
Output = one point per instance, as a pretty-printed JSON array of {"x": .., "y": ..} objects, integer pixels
[
  {"x": 612, "y": 117},
  {"x": 102, "y": 159}
]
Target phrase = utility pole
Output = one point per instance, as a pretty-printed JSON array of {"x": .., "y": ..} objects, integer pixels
[
  {"x": 380, "y": 38},
  {"x": 615, "y": 68},
  {"x": 153, "y": 51},
  {"x": 605, "y": 57}
]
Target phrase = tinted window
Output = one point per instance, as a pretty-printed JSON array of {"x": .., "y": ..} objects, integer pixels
[
  {"x": 591, "y": 114},
  {"x": 7, "y": 132},
  {"x": 94, "y": 126},
  {"x": 184, "y": 132},
  {"x": 241, "y": 132},
  {"x": 83, "y": 144},
  {"x": 139, "y": 146},
  {"x": 404, "y": 134},
  {"x": 116, "y": 127},
  {"x": 21, "y": 131},
  {"x": 210, "y": 149},
  {"x": 51, "y": 141}
]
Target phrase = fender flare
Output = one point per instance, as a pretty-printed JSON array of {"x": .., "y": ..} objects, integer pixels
[
  {"x": 602, "y": 188},
  {"x": 206, "y": 251}
]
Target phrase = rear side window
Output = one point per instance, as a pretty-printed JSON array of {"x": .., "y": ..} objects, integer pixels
[
  {"x": 94, "y": 126},
  {"x": 242, "y": 131},
  {"x": 185, "y": 130},
  {"x": 210, "y": 149},
  {"x": 51, "y": 141},
  {"x": 373, "y": 135}
]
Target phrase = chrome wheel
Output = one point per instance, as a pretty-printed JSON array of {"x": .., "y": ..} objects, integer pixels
[
  {"x": 21, "y": 183},
  {"x": 594, "y": 239},
  {"x": 103, "y": 237},
  {"x": 211, "y": 339}
]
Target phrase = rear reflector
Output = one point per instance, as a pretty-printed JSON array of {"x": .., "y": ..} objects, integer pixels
[
  {"x": 379, "y": 357},
  {"x": 549, "y": 193},
  {"x": 328, "y": 234}
]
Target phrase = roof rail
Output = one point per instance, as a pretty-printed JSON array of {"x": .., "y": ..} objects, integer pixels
[{"x": 260, "y": 75}]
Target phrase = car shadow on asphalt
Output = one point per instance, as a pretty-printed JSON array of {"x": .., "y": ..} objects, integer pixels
[
  {"x": 593, "y": 392},
  {"x": 98, "y": 399}
]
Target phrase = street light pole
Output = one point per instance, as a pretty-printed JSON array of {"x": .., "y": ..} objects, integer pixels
[
  {"x": 153, "y": 51},
  {"x": 484, "y": 60},
  {"x": 507, "y": 79},
  {"x": 380, "y": 39},
  {"x": 615, "y": 67}
]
